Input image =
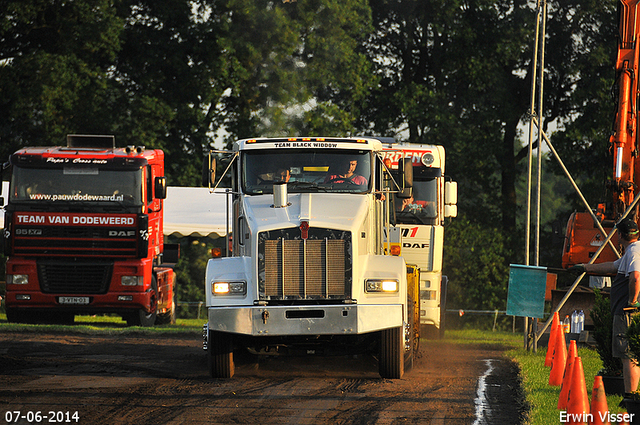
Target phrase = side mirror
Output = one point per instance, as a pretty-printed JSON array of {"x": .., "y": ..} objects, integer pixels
[
  {"x": 450, "y": 199},
  {"x": 160, "y": 188},
  {"x": 171, "y": 253},
  {"x": 405, "y": 168},
  {"x": 208, "y": 171}
]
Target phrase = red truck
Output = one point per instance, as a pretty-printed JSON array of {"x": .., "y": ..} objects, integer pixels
[{"x": 84, "y": 233}]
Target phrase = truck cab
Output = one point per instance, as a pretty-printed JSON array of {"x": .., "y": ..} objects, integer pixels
[
  {"x": 309, "y": 271},
  {"x": 83, "y": 233},
  {"x": 421, "y": 219}
]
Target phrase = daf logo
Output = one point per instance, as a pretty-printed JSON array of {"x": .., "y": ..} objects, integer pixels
[
  {"x": 415, "y": 245},
  {"x": 29, "y": 232},
  {"x": 122, "y": 233}
]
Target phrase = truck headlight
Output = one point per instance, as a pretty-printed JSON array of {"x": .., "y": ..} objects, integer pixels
[
  {"x": 17, "y": 279},
  {"x": 381, "y": 285},
  {"x": 132, "y": 280},
  {"x": 228, "y": 288}
]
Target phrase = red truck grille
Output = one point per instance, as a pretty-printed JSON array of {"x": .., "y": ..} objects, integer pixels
[
  {"x": 75, "y": 241},
  {"x": 74, "y": 277}
]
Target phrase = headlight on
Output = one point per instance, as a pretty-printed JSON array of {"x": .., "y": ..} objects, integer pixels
[
  {"x": 228, "y": 288},
  {"x": 17, "y": 279},
  {"x": 381, "y": 285},
  {"x": 132, "y": 280}
]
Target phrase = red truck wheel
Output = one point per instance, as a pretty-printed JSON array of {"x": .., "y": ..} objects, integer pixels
[{"x": 141, "y": 317}]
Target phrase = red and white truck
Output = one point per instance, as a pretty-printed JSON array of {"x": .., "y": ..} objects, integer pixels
[
  {"x": 422, "y": 219},
  {"x": 84, "y": 233}
]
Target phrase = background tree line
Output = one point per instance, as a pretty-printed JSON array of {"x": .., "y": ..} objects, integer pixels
[{"x": 181, "y": 75}]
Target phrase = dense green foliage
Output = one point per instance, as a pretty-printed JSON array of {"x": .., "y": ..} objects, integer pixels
[{"x": 188, "y": 75}]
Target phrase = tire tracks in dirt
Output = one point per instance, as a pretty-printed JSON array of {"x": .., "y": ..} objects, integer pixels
[{"x": 158, "y": 380}]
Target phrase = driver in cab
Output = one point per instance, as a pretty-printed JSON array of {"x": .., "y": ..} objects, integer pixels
[{"x": 347, "y": 174}]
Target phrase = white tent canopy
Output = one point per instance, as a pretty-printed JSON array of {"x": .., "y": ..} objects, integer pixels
[
  {"x": 188, "y": 211},
  {"x": 194, "y": 211}
]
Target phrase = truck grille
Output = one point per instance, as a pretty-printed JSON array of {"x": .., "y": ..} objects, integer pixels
[
  {"x": 74, "y": 277},
  {"x": 291, "y": 268},
  {"x": 75, "y": 241}
]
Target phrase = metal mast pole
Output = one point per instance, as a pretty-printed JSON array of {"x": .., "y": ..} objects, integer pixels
[{"x": 537, "y": 70}]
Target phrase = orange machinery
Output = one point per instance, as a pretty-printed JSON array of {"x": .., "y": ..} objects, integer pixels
[{"x": 583, "y": 237}]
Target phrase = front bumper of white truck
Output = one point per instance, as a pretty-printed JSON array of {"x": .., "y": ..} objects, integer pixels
[{"x": 305, "y": 320}]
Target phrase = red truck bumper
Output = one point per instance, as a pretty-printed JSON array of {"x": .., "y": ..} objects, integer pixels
[{"x": 107, "y": 303}]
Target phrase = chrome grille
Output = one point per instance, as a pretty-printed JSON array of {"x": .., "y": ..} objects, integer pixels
[{"x": 305, "y": 269}]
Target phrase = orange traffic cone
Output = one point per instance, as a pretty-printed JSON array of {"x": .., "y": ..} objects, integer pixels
[
  {"x": 599, "y": 406},
  {"x": 578, "y": 401},
  {"x": 566, "y": 379},
  {"x": 559, "y": 359},
  {"x": 548, "y": 360}
]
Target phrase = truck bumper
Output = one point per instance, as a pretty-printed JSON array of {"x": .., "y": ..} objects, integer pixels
[
  {"x": 305, "y": 320},
  {"x": 111, "y": 302}
]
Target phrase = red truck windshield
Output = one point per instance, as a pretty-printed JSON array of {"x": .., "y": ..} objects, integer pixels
[{"x": 86, "y": 185}]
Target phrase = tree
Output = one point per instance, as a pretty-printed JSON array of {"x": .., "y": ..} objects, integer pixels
[
  {"x": 459, "y": 74},
  {"x": 475, "y": 260},
  {"x": 54, "y": 63},
  {"x": 290, "y": 68}
]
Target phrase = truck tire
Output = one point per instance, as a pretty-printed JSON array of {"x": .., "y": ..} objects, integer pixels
[
  {"x": 408, "y": 355},
  {"x": 16, "y": 316},
  {"x": 444, "y": 287},
  {"x": 168, "y": 318},
  {"x": 391, "y": 356},
  {"x": 220, "y": 355},
  {"x": 142, "y": 317}
]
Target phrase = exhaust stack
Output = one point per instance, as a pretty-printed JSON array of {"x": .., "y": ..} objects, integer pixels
[{"x": 280, "y": 196}]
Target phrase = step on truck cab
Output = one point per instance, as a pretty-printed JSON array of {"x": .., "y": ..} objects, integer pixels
[
  {"x": 83, "y": 233},
  {"x": 308, "y": 271}
]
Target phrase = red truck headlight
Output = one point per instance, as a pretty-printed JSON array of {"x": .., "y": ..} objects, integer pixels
[
  {"x": 132, "y": 280},
  {"x": 17, "y": 279}
]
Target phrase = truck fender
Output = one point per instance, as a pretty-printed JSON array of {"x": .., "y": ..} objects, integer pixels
[{"x": 229, "y": 269}]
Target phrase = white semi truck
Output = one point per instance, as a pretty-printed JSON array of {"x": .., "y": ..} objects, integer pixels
[
  {"x": 308, "y": 270},
  {"x": 421, "y": 218}
]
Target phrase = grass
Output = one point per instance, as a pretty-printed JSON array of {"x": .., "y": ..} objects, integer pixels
[
  {"x": 105, "y": 324},
  {"x": 541, "y": 398}
]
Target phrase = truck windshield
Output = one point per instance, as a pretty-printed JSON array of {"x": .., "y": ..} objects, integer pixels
[
  {"x": 312, "y": 170},
  {"x": 85, "y": 185},
  {"x": 422, "y": 207}
]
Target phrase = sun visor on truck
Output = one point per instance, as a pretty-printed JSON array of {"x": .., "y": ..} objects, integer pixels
[{"x": 91, "y": 141}]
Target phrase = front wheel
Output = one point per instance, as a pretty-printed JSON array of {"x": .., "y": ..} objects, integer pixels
[
  {"x": 168, "y": 318},
  {"x": 220, "y": 355},
  {"x": 391, "y": 357},
  {"x": 142, "y": 317}
]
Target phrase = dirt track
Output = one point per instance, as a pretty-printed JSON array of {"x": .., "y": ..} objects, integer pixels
[{"x": 163, "y": 380}]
